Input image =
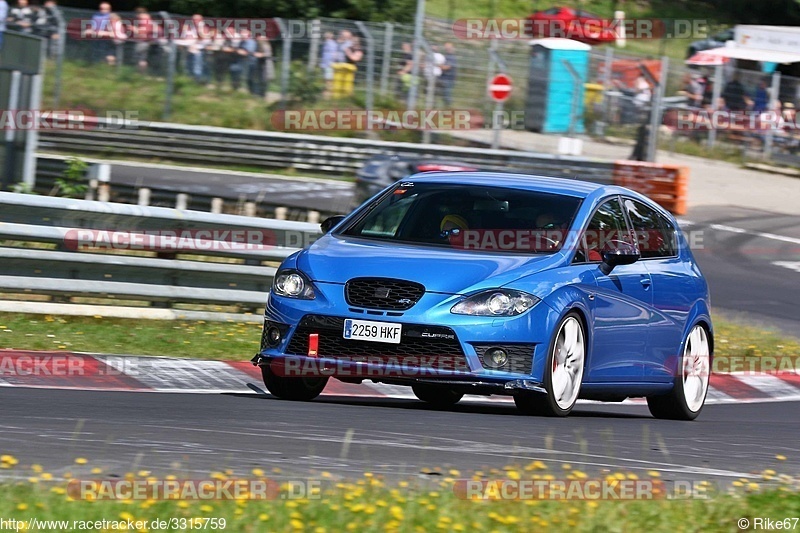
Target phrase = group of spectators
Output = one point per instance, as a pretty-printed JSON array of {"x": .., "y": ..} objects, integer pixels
[
  {"x": 25, "y": 18},
  {"x": 439, "y": 66},
  {"x": 211, "y": 55},
  {"x": 734, "y": 96},
  {"x": 214, "y": 54}
]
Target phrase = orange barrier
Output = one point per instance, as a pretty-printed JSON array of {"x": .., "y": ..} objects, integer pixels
[{"x": 666, "y": 184}]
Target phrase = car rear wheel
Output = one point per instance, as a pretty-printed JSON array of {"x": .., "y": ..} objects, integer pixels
[
  {"x": 564, "y": 372},
  {"x": 298, "y": 389},
  {"x": 691, "y": 385},
  {"x": 437, "y": 396}
]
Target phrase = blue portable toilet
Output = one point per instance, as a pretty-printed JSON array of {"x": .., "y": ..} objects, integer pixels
[{"x": 555, "y": 98}]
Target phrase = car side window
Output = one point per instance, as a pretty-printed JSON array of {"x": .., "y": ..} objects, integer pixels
[
  {"x": 653, "y": 238},
  {"x": 607, "y": 224},
  {"x": 670, "y": 235}
]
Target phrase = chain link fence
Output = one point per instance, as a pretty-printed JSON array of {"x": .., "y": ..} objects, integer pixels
[{"x": 624, "y": 95}]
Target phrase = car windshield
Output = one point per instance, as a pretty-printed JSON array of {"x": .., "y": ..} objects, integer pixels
[{"x": 468, "y": 217}]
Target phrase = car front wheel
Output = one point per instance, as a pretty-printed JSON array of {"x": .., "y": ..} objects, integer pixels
[
  {"x": 298, "y": 389},
  {"x": 563, "y": 374},
  {"x": 691, "y": 384}
]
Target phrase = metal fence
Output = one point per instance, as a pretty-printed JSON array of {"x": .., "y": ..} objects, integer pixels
[{"x": 622, "y": 89}]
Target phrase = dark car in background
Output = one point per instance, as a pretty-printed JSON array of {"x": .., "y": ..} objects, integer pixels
[
  {"x": 381, "y": 171},
  {"x": 714, "y": 41}
]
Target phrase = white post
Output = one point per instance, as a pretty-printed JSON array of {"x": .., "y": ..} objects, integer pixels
[
  {"x": 144, "y": 197},
  {"x": 619, "y": 19},
  {"x": 216, "y": 205},
  {"x": 182, "y": 202}
]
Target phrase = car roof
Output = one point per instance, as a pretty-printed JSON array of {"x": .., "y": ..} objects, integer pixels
[{"x": 563, "y": 186}]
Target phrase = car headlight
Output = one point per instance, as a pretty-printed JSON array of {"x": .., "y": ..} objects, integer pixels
[
  {"x": 293, "y": 284},
  {"x": 496, "y": 302}
]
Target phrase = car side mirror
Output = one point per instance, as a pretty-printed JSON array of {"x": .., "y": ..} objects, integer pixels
[
  {"x": 617, "y": 253},
  {"x": 329, "y": 223}
]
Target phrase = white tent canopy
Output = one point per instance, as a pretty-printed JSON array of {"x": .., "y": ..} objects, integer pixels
[{"x": 754, "y": 54}]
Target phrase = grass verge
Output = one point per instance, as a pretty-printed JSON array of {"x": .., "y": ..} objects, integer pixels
[
  {"x": 239, "y": 341},
  {"x": 371, "y": 504}
]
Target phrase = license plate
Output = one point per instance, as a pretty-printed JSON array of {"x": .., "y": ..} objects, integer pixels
[{"x": 366, "y": 330}]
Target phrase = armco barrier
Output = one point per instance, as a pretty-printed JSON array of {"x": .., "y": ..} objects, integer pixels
[
  {"x": 147, "y": 255},
  {"x": 314, "y": 154},
  {"x": 665, "y": 184}
]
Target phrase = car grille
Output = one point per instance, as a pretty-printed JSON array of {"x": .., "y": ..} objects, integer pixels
[
  {"x": 444, "y": 353},
  {"x": 383, "y": 293},
  {"x": 520, "y": 356}
]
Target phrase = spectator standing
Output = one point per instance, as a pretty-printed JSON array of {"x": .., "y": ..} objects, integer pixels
[
  {"x": 233, "y": 58},
  {"x": 353, "y": 54},
  {"x": 46, "y": 24},
  {"x": 734, "y": 95},
  {"x": 693, "y": 89},
  {"x": 345, "y": 41},
  {"x": 329, "y": 56},
  {"x": 708, "y": 93},
  {"x": 263, "y": 68},
  {"x": 194, "y": 39},
  {"x": 761, "y": 97},
  {"x": 247, "y": 60},
  {"x": 23, "y": 17},
  {"x": 143, "y": 33},
  {"x": 100, "y": 31},
  {"x": 3, "y": 17},
  {"x": 643, "y": 92},
  {"x": 406, "y": 67},
  {"x": 214, "y": 49},
  {"x": 449, "y": 71},
  {"x": 118, "y": 35},
  {"x": 433, "y": 66}
]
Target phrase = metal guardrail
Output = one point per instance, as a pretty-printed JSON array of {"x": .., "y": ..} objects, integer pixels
[
  {"x": 50, "y": 168},
  {"x": 209, "y": 146},
  {"x": 161, "y": 276}
]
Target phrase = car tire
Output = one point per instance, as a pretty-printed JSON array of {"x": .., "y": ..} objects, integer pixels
[
  {"x": 567, "y": 354},
  {"x": 689, "y": 392},
  {"x": 297, "y": 389},
  {"x": 437, "y": 396}
]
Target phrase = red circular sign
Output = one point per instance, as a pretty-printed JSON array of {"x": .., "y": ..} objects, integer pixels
[{"x": 500, "y": 88}]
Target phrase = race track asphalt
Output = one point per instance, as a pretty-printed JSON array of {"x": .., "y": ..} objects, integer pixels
[
  {"x": 199, "y": 433},
  {"x": 751, "y": 259}
]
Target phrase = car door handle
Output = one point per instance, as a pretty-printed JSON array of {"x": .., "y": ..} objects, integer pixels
[{"x": 646, "y": 282}]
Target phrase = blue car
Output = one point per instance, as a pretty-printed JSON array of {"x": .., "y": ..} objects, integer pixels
[{"x": 544, "y": 289}]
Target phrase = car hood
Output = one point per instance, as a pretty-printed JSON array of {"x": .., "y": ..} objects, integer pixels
[{"x": 337, "y": 259}]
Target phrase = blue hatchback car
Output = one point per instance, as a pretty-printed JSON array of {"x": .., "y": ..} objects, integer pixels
[{"x": 545, "y": 289}]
